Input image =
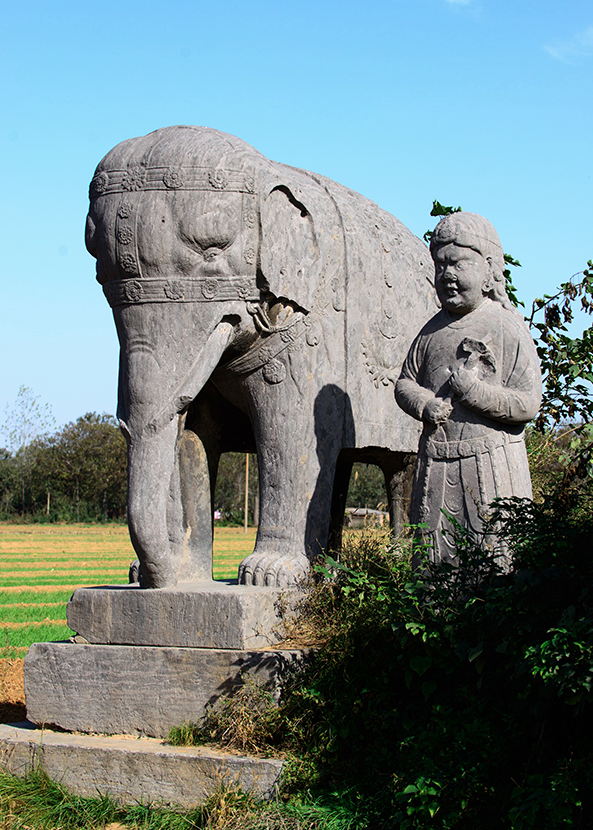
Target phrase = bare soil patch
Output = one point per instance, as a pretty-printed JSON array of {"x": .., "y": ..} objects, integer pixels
[{"x": 12, "y": 689}]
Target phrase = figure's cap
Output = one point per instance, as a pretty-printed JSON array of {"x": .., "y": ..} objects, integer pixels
[{"x": 469, "y": 230}]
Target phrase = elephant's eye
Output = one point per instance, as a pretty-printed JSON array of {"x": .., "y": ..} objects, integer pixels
[{"x": 210, "y": 254}]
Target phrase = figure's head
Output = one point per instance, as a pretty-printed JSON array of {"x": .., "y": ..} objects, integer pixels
[{"x": 469, "y": 262}]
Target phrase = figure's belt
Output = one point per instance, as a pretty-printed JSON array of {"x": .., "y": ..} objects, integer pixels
[
  {"x": 140, "y": 177},
  {"x": 189, "y": 290},
  {"x": 468, "y": 447}
]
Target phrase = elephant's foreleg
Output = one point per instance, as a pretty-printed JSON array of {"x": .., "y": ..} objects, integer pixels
[
  {"x": 279, "y": 557},
  {"x": 297, "y": 455},
  {"x": 171, "y": 510},
  {"x": 151, "y": 465}
]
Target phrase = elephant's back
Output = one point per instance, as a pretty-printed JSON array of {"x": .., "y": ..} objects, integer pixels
[
  {"x": 180, "y": 147},
  {"x": 389, "y": 296}
]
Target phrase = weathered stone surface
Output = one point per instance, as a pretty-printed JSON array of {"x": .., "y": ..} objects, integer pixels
[
  {"x": 207, "y": 614},
  {"x": 259, "y": 308},
  {"x": 133, "y": 770},
  {"x": 472, "y": 377},
  {"x": 137, "y": 689}
]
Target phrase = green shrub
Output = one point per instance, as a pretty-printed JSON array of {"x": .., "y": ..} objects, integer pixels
[{"x": 461, "y": 697}]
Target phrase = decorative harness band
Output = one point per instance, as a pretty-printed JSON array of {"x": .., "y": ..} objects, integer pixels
[
  {"x": 207, "y": 289},
  {"x": 141, "y": 177}
]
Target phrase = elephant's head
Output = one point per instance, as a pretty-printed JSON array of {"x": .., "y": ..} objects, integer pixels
[{"x": 191, "y": 229}]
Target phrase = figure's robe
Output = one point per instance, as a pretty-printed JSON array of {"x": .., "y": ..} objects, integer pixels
[{"x": 478, "y": 454}]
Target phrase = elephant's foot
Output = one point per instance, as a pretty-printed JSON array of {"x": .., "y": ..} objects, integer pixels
[
  {"x": 134, "y": 572},
  {"x": 273, "y": 570},
  {"x": 148, "y": 577}
]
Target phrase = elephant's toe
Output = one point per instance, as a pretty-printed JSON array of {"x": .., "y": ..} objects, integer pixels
[
  {"x": 273, "y": 570},
  {"x": 247, "y": 570},
  {"x": 252, "y": 571},
  {"x": 288, "y": 571}
]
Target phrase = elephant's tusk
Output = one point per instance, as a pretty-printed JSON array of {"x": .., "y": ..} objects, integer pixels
[{"x": 201, "y": 369}]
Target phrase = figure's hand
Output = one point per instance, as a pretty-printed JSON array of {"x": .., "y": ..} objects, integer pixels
[
  {"x": 437, "y": 410},
  {"x": 463, "y": 379}
]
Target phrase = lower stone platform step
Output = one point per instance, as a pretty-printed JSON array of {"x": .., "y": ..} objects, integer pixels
[{"x": 133, "y": 770}]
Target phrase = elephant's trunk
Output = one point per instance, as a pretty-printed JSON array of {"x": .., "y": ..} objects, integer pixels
[{"x": 153, "y": 431}]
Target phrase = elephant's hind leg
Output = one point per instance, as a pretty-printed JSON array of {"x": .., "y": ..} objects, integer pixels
[
  {"x": 398, "y": 469},
  {"x": 213, "y": 425},
  {"x": 339, "y": 496}
]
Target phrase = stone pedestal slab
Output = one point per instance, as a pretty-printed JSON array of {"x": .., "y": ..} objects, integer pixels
[
  {"x": 132, "y": 770},
  {"x": 194, "y": 615},
  {"x": 137, "y": 690}
]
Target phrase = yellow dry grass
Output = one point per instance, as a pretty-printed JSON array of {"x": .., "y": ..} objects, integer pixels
[
  {"x": 30, "y": 624},
  {"x": 15, "y": 589}
]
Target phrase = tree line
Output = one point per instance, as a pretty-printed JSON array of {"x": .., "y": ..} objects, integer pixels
[{"x": 75, "y": 473}]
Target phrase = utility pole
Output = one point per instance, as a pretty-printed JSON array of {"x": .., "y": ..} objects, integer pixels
[{"x": 246, "y": 489}]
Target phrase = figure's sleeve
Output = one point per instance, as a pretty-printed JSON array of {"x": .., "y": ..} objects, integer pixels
[
  {"x": 518, "y": 399},
  {"x": 411, "y": 396}
]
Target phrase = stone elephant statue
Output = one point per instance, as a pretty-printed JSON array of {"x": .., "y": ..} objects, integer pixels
[{"x": 259, "y": 308}]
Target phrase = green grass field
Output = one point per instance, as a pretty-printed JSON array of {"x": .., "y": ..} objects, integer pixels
[{"x": 41, "y": 565}]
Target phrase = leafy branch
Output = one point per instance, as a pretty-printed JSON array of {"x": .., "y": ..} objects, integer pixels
[{"x": 567, "y": 362}]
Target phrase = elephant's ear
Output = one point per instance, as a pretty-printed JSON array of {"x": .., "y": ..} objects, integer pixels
[{"x": 290, "y": 258}]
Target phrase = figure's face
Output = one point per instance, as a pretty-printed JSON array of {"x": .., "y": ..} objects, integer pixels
[{"x": 462, "y": 278}]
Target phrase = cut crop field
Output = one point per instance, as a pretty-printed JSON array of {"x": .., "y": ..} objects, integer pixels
[{"x": 41, "y": 565}]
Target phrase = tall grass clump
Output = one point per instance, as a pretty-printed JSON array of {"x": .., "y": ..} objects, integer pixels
[
  {"x": 248, "y": 722},
  {"x": 37, "y": 802}
]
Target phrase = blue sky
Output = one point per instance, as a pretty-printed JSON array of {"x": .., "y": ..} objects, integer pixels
[{"x": 481, "y": 103}]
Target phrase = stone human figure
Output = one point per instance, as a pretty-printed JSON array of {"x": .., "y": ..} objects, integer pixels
[{"x": 472, "y": 377}]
